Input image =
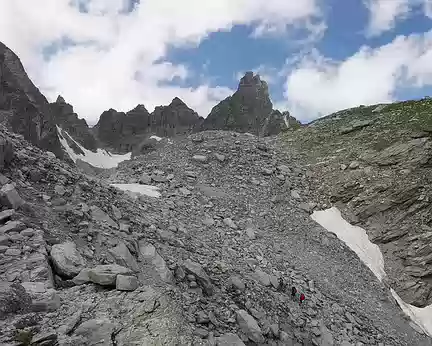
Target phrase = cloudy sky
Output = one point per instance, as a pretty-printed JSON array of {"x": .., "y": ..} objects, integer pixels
[{"x": 318, "y": 56}]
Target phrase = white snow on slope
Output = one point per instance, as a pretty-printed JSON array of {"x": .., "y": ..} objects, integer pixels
[
  {"x": 156, "y": 137},
  {"x": 357, "y": 239},
  {"x": 101, "y": 158},
  {"x": 147, "y": 190}
]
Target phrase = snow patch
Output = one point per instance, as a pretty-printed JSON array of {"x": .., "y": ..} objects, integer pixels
[
  {"x": 357, "y": 239},
  {"x": 156, "y": 137},
  {"x": 101, "y": 158},
  {"x": 146, "y": 190}
]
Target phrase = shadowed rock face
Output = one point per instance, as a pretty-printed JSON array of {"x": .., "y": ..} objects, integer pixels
[
  {"x": 249, "y": 109},
  {"x": 69, "y": 121},
  {"x": 125, "y": 131},
  {"x": 22, "y": 107}
]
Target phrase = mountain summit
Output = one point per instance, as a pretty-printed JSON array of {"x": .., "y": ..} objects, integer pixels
[{"x": 249, "y": 109}]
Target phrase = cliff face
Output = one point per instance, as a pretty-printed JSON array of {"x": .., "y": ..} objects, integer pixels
[
  {"x": 249, "y": 109},
  {"x": 125, "y": 131},
  {"x": 22, "y": 106},
  {"x": 68, "y": 120}
]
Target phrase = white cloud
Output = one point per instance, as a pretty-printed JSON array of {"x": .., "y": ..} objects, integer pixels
[
  {"x": 385, "y": 13},
  {"x": 116, "y": 62},
  {"x": 318, "y": 86}
]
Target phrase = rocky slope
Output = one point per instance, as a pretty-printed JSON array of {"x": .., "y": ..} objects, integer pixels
[
  {"x": 375, "y": 162},
  {"x": 82, "y": 263},
  {"x": 22, "y": 107},
  {"x": 249, "y": 109}
]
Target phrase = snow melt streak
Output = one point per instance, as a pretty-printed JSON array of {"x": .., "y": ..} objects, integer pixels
[
  {"x": 357, "y": 239},
  {"x": 100, "y": 159}
]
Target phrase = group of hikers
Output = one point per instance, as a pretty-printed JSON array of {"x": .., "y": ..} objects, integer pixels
[{"x": 294, "y": 295}]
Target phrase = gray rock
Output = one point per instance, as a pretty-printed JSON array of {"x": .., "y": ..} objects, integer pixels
[
  {"x": 13, "y": 299},
  {"x": 237, "y": 283},
  {"x": 60, "y": 190},
  {"x": 202, "y": 277},
  {"x": 98, "y": 215},
  {"x": 250, "y": 232},
  {"x": 126, "y": 283},
  {"x": 71, "y": 323},
  {"x": 12, "y": 226},
  {"x": 4, "y": 240},
  {"x": 219, "y": 157},
  {"x": 249, "y": 326},
  {"x": 96, "y": 332},
  {"x": 229, "y": 339},
  {"x": 200, "y": 158},
  {"x": 151, "y": 256},
  {"x": 28, "y": 232},
  {"x": 9, "y": 197},
  {"x": 262, "y": 277},
  {"x": 13, "y": 252},
  {"x": 354, "y": 165},
  {"x": 67, "y": 260},
  {"x": 104, "y": 275},
  {"x": 123, "y": 257},
  {"x": 145, "y": 179},
  {"x": 5, "y": 215},
  {"x": 230, "y": 223},
  {"x": 116, "y": 212}
]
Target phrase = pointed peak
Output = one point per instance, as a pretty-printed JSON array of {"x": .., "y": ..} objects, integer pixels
[
  {"x": 60, "y": 99},
  {"x": 139, "y": 108},
  {"x": 177, "y": 102}
]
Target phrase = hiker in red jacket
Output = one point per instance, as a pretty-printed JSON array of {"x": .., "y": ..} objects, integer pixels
[{"x": 302, "y": 298}]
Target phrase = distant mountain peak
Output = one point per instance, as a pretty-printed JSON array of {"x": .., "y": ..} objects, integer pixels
[{"x": 60, "y": 99}]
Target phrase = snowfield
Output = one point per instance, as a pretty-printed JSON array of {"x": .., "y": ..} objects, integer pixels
[
  {"x": 356, "y": 238},
  {"x": 101, "y": 158},
  {"x": 145, "y": 190}
]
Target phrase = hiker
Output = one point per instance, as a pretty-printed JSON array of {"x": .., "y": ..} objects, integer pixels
[
  {"x": 293, "y": 291},
  {"x": 302, "y": 298}
]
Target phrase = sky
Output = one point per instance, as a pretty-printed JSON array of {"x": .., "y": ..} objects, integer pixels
[{"x": 318, "y": 56}]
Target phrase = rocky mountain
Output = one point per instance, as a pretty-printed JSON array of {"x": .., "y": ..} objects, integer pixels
[
  {"x": 249, "y": 109},
  {"x": 22, "y": 107},
  {"x": 68, "y": 120},
  {"x": 375, "y": 163},
  {"x": 124, "y": 132}
]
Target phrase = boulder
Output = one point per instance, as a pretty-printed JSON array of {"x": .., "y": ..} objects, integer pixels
[
  {"x": 201, "y": 276},
  {"x": 123, "y": 257},
  {"x": 96, "y": 332},
  {"x": 99, "y": 216},
  {"x": 104, "y": 274},
  {"x": 67, "y": 261},
  {"x": 249, "y": 326},
  {"x": 237, "y": 283},
  {"x": 229, "y": 339},
  {"x": 145, "y": 179},
  {"x": 262, "y": 277},
  {"x": 9, "y": 197},
  {"x": 126, "y": 283},
  {"x": 151, "y": 256}
]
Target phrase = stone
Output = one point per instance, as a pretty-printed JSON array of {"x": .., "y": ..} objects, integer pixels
[
  {"x": 202, "y": 318},
  {"x": 229, "y": 339},
  {"x": 123, "y": 257},
  {"x": 28, "y": 232},
  {"x": 6, "y": 215},
  {"x": 4, "y": 240},
  {"x": 200, "y": 158},
  {"x": 145, "y": 179},
  {"x": 96, "y": 332},
  {"x": 274, "y": 328},
  {"x": 151, "y": 256},
  {"x": 103, "y": 274},
  {"x": 295, "y": 194},
  {"x": 99, "y": 216},
  {"x": 219, "y": 157},
  {"x": 267, "y": 171},
  {"x": 262, "y": 277},
  {"x": 13, "y": 252},
  {"x": 116, "y": 212},
  {"x": 60, "y": 190},
  {"x": 13, "y": 299},
  {"x": 354, "y": 165},
  {"x": 3, "y": 248},
  {"x": 126, "y": 283},
  {"x": 202, "y": 277},
  {"x": 249, "y": 326},
  {"x": 9, "y": 197},
  {"x": 237, "y": 283},
  {"x": 230, "y": 223},
  {"x": 12, "y": 226},
  {"x": 67, "y": 260},
  {"x": 71, "y": 323},
  {"x": 45, "y": 339},
  {"x": 201, "y": 332},
  {"x": 250, "y": 232}
]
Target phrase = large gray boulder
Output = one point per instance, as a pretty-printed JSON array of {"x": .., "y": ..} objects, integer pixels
[
  {"x": 152, "y": 257},
  {"x": 249, "y": 326},
  {"x": 10, "y": 198},
  {"x": 99, "y": 216},
  {"x": 96, "y": 332},
  {"x": 126, "y": 283},
  {"x": 123, "y": 257},
  {"x": 104, "y": 274},
  {"x": 229, "y": 339},
  {"x": 66, "y": 259}
]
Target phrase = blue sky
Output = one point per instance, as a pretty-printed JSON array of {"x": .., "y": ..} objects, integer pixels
[{"x": 318, "y": 56}]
